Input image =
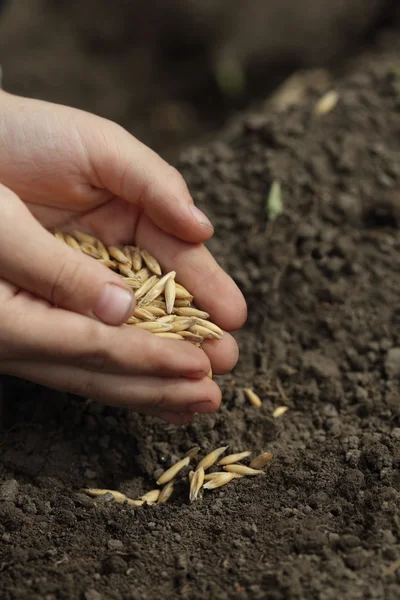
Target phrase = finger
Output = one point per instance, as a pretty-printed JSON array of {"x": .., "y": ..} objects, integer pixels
[
  {"x": 148, "y": 395},
  {"x": 35, "y": 261},
  {"x": 35, "y": 330},
  {"x": 213, "y": 290},
  {"x": 134, "y": 172},
  {"x": 223, "y": 353}
]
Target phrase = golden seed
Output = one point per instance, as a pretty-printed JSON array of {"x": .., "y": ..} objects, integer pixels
[
  {"x": 209, "y": 325},
  {"x": 219, "y": 480},
  {"x": 193, "y": 452},
  {"x": 327, "y": 103},
  {"x": 169, "y": 335},
  {"x": 252, "y": 397},
  {"x": 173, "y": 471},
  {"x": 279, "y": 411},
  {"x": 125, "y": 270},
  {"x": 132, "y": 321},
  {"x": 90, "y": 250},
  {"x": 102, "y": 250},
  {"x": 182, "y": 292},
  {"x": 151, "y": 496},
  {"x": 59, "y": 235},
  {"x": 119, "y": 256},
  {"x": 111, "y": 264},
  {"x": 132, "y": 282},
  {"x": 211, "y": 476},
  {"x": 127, "y": 252},
  {"x": 135, "y": 502},
  {"x": 146, "y": 286},
  {"x": 159, "y": 303},
  {"x": 260, "y": 461},
  {"x": 191, "y": 312},
  {"x": 154, "y": 326},
  {"x": 85, "y": 238},
  {"x": 181, "y": 324},
  {"x": 196, "y": 484},
  {"x": 118, "y": 496},
  {"x": 165, "y": 318},
  {"x": 169, "y": 293},
  {"x": 211, "y": 458},
  {"x": 191, "y": 337},
  {"x": 145, "y": 315},
  {"x": 182, "y": 303},
  {"x": 191, "y": 473},
  {"x": 157, "y": 289},
  {"x": 233, "y": 458},
  {"x": 204, "y": 332},
  {"x": 71, "y": 241},
  {"x": 166, "y": 492},
  {"x": 155, "y": 310},
  {"x": 151, "y": 262},
  {"x": 143, "y": 274},
  {"x": 136, "y": 258},
  {"x": 210, "y": 374},
  {"x": 243, "y": 470}
]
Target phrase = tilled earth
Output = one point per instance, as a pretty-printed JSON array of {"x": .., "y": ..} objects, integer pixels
[{"x": 323, "y": 336}]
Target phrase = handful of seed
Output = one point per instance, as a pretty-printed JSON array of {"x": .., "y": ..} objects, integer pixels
[
  {"x": 164, "y": 307},
  {"x": 199, "y": 480}
]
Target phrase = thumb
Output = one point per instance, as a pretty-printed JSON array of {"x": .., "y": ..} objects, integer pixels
[{"x": 32, "y": 259}]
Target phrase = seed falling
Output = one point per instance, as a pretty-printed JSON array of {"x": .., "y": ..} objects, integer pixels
[
  {"x": 166, "y": 492},
  {"x": 219, "y": 480},
  {"x": 151, "y": 497},
  {"x": 260, "y": 461},
  {"x": 211, "y": 458},
  {"x": 196, "y": 484},
  {"x": 252, "y": 397},
  {"x": 170, "y": 293},
  {"x": 243, "y": 470},
  {"x": 173, "y": 471},
  {"x": 151, "y": 263},
  {"x": 233, "y": 458},
  {"x": 279, "y": 411}
]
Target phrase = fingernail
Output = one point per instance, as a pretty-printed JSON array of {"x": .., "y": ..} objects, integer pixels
[
  {"x": 201, "y": 407},
  {"x": 114, "y": 305},
  {"x": 200, "y": 217}
]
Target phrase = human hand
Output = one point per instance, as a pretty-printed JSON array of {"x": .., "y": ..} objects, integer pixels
[{"x": 75, "y": 170}]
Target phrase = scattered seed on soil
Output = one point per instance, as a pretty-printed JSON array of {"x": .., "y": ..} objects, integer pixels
[
  {"x": 166, "y": 492},
  {"x": 192, "y": 452},
  {"x": 274, "y": 201},
  {"x": 153, "y": 326},
  {"x": 71, "y": 241},
  {"x": 243, "y": 470},
  {"x": 211, "y": 476},
  {"x": 233, "y": 458},
  {"x": 191, "y": 312},
  {"x": 170, "y": 335},
  {"x": 219, "y": 480},
  {"x": 157, "y": 289},
  {"x": 252, "y": 397},
  {"x": 260, "y": 461},
  {"x": 196, "y": 484},
  {"x": 327, "y": 103},
  {"x": 211, "y": 458},
  {"x": 151, "y": 263},
  {"x": 279, "y": 411},
  {"x": 173, "y": 471},
  {"x": 151, "y": 496}
]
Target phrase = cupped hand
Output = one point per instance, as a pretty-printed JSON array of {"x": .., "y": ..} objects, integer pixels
[{"x": 64, "y": 168}]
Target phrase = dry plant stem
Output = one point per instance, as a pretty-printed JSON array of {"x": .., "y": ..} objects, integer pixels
[
  {"x": 211, "y": 458},
  {"x": 233, "y": 458},
  {"x": 261, "y": 460},
  {"x": 173, "y": 471}
]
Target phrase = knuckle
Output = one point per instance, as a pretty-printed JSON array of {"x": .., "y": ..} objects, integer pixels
[
  {"x": 99, "y": 355},
  {"x": 66, "y": 282},
  {"x": 87, "y": 387}
]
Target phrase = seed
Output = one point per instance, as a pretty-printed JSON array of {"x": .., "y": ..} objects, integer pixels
[
  {"x": 128, "y": 255},
  {"x": 132, "y": 321},
  {"x": 157, "y": 289},
  {"x": 145, "y": 287},
  {"x": 170, "y": 335},
  {"x": 136, "y": 258},
  {"x": 143, "y": 275},
  {"x": 260, "y": 461},
  {"x": 219, "y": 480},
  {"x": 90, "y": 250},
  {"x": 84, "y": 238},
  {"x": 327, "y": 103},
  {"x": 71, "y": 241},
  {"x": 102, "y": 250},
  {"x": 151, "y": 262},
  {"x": 125, "y": 270},
  {"x": 233, "y": 458},
  {"x": 118, "y": 496},
  {"x": 191, "y": 312},
  {"x": 181, "y": 324},
  {"x": 211, "y": 458},
  {"x": 193, "y": 452},
  {"x": 165, "y": 318},
  {"x": 182, "y": 292},
  {"x": 196, "y": 484},
  {"x": 155, "y": 310},
  {"x": 154, "y": 326},
  {"x": 111, "y": 264},
  {"x": 135, "y": 502},
  {"x": 142, "y": 313},
  {"x": 211, "y": 476},
  {"x": 279, "y": 411},
  {"x": 204, "y": 332},
  {"x": 173, "y": 471},
  {"x": 209, "y": 325},
  {"x": 159, "y": 303},
  {"x": 252, "y": 397},
  {"x": 243, "y": 470},
  {"x": 191, "y": 473},
  {"x": 191, "y": 337},
  {"x": 59, "y": 235},
  {"x": 151, "y": 496},
  {"x": 169, "y": 293},
  {"x": 210, "y": 374},
  {"x": 166, "y": 492},
  {"x": 133, "y": 282},
  {"x": 183, "y": 302},
  {"x": 119, "y": 256}
]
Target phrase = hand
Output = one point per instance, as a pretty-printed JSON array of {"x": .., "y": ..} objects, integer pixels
[{"x": 72, "y": 170}]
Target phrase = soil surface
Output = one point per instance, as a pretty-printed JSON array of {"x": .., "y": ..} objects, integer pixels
[{"x": 323, "y": 337}]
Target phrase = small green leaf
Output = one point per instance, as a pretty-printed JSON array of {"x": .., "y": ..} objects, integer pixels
[{"x": 274, "y": 201}]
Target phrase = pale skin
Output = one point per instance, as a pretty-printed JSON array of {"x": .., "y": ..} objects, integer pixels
[{"x": 60, "y": 318}]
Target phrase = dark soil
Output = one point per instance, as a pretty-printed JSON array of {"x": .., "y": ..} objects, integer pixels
[{"x": 323, "y": 288}]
